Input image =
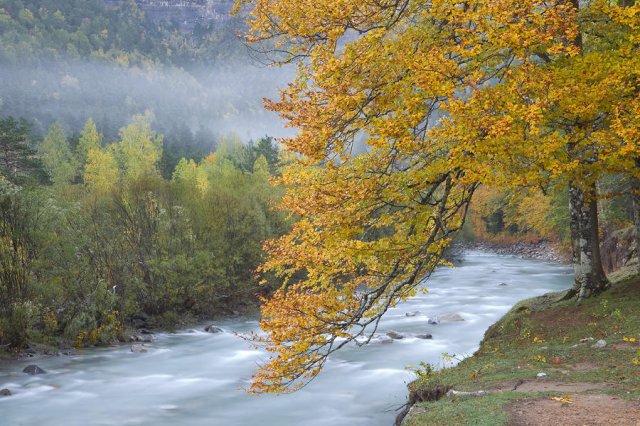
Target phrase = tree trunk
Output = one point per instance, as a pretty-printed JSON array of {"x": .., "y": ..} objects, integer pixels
[
  {"x": 574, "y": 224},
  {"x": 635, "y": 195},
  {"x": 590, "y": 277}
]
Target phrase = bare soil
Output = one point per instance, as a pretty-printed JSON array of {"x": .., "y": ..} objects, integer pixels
[
  {"x": 541, "y": 385},
  {"x": 592, "y": 409},
  {"x": 626, "y": 346},
  {"x": 549, "y": 386},
  {"x": 582, "y": 367}
]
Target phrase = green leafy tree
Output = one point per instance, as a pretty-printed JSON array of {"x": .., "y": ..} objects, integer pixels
[
  {"x": 139, "y": 149},
  {"x": 101, "y": 170},
  {"x": 90, "y": 139},
  {"x": 57, "y": 157},
  {"x": 18, "y": 160}
]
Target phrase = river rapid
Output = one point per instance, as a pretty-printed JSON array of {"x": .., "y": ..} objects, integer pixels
[{"x": 196, "y": 378}]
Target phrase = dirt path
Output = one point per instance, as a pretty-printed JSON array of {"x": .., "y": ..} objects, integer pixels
[
  {"x": 549, "y": 386},
  {"x": 592, "y": 409}
]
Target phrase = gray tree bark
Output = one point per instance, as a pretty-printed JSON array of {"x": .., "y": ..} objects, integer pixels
[
  {"x": 635, "y": 195},
  {"x": 590, "y": 278}
]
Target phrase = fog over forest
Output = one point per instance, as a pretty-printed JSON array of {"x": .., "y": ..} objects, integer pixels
[{"x": 219, "y": 99}]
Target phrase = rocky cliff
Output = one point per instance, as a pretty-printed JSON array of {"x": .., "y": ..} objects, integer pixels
[{"x": 185, "y": 14}]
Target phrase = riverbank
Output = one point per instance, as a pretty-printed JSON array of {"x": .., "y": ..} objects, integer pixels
[
  {"x": 544, "y": 363},
  {"x": 142, "y": 329},
  {"x": 540, "y": 250}
]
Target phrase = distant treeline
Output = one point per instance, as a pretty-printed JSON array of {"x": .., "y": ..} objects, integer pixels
[
  {"x": 93, "y": 236},
  {"x": 37, "y": 31}
]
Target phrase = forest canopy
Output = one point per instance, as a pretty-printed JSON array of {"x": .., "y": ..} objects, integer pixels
[{"x": 92, "y": 237}]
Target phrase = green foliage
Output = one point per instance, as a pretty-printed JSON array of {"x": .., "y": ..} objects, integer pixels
[
  {"x": 558, "y": 216},
  {"x": 425, "y": 372},
  {"x": 89, "y": 140},
  {"x": 79, "y": 259},
  {"x": 18, "y": 161},
  {"x": 56, "y": 155},
  {"x": 16, "y": 327},
  {"x": 245, "y": 156},
  {"x": 617, "y": 203},
  {"x": 20, "y": 226},
  {"x": 139, "y": 148}
]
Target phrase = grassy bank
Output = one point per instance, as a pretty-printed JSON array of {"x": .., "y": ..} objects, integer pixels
[{"x": 580, "y": 382}]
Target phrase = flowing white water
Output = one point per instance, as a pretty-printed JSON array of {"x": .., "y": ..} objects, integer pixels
[{"x": 196, "y": 378}]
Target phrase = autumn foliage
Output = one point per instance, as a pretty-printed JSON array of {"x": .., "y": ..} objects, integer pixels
[{"x": 403, "y": 108}]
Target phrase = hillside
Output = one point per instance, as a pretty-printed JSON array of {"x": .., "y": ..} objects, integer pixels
[
  {"x": 542, "y": 361},
  {"x": 67, "y": 61},
  {"x": 179, "y": 33}
]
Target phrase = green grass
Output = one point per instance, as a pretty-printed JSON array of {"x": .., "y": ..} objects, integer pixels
[
  {"x": 462, "y": 411},
  {"x": 540, "y": 335}
]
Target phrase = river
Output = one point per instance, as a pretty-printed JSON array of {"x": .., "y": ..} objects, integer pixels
[{"x": 196, "y": 378}]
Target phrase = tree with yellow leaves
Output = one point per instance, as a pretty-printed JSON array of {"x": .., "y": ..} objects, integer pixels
[{"x": 444, "y": 96}]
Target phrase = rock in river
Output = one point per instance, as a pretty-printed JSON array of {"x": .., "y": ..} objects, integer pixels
[
  {"x": 424, "y": 336},
  {"x": 395, "y": 335},
  {"x": 385, "y": 340},
  {"x": 451, "y": 317},
  {"x": 138, "y": 349},
  {"x": 145, "y": 338},
  {"x": 33, "y": 370},
  {"x": 213, "y": 329},
  {"x": 5, "y": 392}
]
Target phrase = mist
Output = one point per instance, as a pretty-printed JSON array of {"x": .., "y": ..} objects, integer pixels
[{"x": 218, "y": 99}]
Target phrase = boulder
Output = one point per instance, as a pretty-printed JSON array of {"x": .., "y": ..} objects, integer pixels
[
  {"x": 424, "y": 336},
  {"x": 213, "y": 329},
  {"x": 451, "y": 317},
  {"x": 599, "y": 344},
  {"x": 502, "y": 285},
  {"x": 395, "y": 335},
  {"x": 434, "y": 321},
  {"x": 146, "y": 338},
  {"x": 138, "y": 349},
  {"x": 5, "y": 392},
  {"x": 33, "y": 370},
  {"x": 412, "y": 314},
  {"x": 385, "y": 340}
]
